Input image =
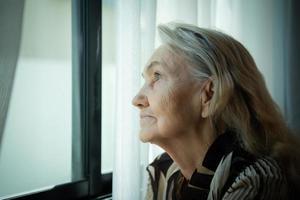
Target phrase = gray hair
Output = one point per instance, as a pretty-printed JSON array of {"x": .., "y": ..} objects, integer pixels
[{"x": 241, "y": 100}]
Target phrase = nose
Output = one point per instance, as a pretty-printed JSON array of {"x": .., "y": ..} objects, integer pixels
[{"x": 140, "y": 100}]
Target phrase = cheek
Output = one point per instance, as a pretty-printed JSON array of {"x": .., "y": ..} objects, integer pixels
[
  {"x": 165, "y": 103},
  {"x": 171, "y": 113}
]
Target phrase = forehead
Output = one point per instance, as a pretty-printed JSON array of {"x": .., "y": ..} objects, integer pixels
[
  {"x": 163, "y": 52},
  {"x": 165, "y": 58}
]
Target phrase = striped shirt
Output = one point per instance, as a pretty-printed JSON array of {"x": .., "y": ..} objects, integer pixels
[{"x": 237, "y": 174}]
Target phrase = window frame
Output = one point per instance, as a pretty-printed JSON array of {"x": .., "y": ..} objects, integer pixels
[{"x": 88, "y": 34}]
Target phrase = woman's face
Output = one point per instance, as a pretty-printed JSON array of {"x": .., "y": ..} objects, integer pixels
[{"x": 169, "y": 99}]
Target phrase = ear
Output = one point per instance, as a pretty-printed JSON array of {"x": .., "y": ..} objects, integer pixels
[{"x": 206, "y": 97}]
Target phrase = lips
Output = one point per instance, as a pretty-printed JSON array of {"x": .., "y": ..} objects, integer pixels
[
  {"x": 143, "y": 115},
  {"x": 147, "y": 120}
]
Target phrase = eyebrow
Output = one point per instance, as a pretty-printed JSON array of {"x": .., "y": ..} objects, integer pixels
[{"x": 153, "y": 63}]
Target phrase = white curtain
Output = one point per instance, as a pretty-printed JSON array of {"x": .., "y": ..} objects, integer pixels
[
  {"x": 257, "y": 24},
  {"x": 135, "y": 42}
]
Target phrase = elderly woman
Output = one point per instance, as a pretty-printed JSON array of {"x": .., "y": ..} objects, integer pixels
[{"x": 206, "y": 104}]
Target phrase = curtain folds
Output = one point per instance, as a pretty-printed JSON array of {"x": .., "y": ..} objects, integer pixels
[
  {"x": 126, "y": 174},
  {"x": 267, "y": 29}
]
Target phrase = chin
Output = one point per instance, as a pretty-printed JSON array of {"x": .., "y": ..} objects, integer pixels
[{"x": 146, "y": 136}]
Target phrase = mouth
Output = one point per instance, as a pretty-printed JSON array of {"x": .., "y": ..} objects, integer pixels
[
  {"x": 147, "y": 120},
  {"x": 142, "y": 116}
]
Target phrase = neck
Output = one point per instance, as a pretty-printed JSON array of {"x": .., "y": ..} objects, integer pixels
[{"x": 189, "y": 149}]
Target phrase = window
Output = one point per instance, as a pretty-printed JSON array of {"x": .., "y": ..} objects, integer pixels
[
  {"x": 51, "y": 143},
  {"x": 38, "y": 130}
]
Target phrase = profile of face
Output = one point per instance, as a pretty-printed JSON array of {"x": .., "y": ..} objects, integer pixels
[{"x": 170, "y": 99}]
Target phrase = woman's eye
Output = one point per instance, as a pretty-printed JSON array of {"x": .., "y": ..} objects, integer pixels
[{"x": 156, "y": 76}]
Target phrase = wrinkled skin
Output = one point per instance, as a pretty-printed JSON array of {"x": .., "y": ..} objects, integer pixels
[{"x": 169, "y": 101}]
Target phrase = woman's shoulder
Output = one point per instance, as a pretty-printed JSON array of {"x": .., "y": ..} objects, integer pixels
[
  {"x": 264, "y": 179},
  {"x": 249, "y": 177}
]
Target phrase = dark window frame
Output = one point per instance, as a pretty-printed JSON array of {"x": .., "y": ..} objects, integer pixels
[{"x": 89, "y": 43}]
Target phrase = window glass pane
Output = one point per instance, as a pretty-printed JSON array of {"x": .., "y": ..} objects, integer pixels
[
  {"x": 108, "y": 83},
  {"x": 36, "y": 144}
]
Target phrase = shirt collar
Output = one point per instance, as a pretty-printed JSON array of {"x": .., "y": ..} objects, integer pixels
[{"x": 223, "y": 144}]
